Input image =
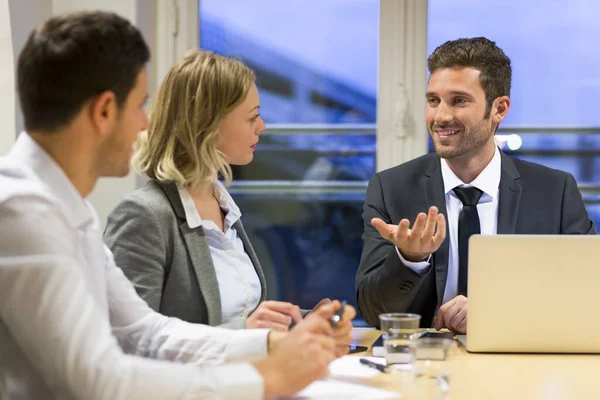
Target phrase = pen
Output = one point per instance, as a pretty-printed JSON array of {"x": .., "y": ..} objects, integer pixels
[
  {"x": 337, "y": 317},
  {"x": 377, "y": 366}
]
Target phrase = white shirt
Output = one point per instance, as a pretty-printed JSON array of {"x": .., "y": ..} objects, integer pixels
[
  {"x": 488, "y": 182},
  {"x": 71, "y": 324},
  {"x": 239, "y": 285}
]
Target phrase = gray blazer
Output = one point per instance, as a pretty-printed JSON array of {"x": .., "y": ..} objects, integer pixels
[{"x": 168, "y": 263}]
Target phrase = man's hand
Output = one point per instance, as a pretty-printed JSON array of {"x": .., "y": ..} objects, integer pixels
[
  {"x": 343, "y": 331},
  {"x": 275, "y": 315},
  {"x": 321, "y": 303},
  {"x": 453, "y": 315},
  {"x": 301, "y": 356},
  {"x": 421, "y": 241}
]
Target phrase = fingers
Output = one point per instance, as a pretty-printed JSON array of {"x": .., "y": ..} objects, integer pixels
[
  {"x": 349, "y": 313},
  {"x": 437, "y": 321},
  {"x": 452, "y": 314},
  {"x": 265, "y": 314},
  {"x": 425, "y": 237},
  {"x": 417, "y": 230},
  {"x": 458, "y": 324},
  {"x": 343, "y": 330},
  {"x": 343, "y": 339},
  {"x": 342, "y": 350},
  {"x": 440, "y": 233},
  {"x": 387, "y": 231},
  {"x": 456, "y": 320},
  {"x": 322, "y": 303},
  {"x": 326, "y": 311},
  {"x": 402, "y": 232},
  {"x": 442, "y": 314},
  {"x": 316, "y": 323},
  {"x": 446, "y": 306},
  {"x": 429, "y": 229},
  {"x": 462, "y": 327},
  {"x": 283, "y": 307},
  {"x": 261, "y": 324}
]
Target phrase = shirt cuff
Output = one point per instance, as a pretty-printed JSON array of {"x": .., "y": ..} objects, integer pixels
[
  {"x": 248, "y": 345},
  {"x": 420, "y": 267}
]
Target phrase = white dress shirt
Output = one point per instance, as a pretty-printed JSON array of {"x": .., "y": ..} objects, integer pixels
[
  {"x": 239, "y": 286},
  {"x": 488, "y": 182},
  {"x": 71, "y": 324}
]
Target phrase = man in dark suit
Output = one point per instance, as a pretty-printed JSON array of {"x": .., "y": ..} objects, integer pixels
[{"x": 468, "y": 185}]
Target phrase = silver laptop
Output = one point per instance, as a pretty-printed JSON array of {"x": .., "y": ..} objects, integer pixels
[{"x": 534, "y": 294}]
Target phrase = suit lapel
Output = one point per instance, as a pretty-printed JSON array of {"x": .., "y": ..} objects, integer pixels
[
  {"x": 509, "y": 196},
  {"x": 250, "y": 251},
  {"x": 434, "y": 194},
  {"x": 204, "y": 268},
  {"x": 197, "y": 248}
]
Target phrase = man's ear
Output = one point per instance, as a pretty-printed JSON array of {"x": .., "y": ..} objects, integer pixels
[
  {"x": 500, "y": 109},
  {"x": 103, "y": 113}
]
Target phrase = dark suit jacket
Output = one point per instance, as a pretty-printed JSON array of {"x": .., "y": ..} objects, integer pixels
[
  {"x": 533, "y": 199},
  {"x": 168, "y": 262}
]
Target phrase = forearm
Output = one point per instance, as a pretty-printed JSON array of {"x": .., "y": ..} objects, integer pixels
[
  {"x": 47, "y": 307},
  {"x": 145, "y": 332}
]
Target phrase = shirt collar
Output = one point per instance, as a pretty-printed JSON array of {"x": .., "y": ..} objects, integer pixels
[
  {"x": 488, "y": 180},
  {"x": 225, "y": 202},
  {"x": 29, "y": 155}
]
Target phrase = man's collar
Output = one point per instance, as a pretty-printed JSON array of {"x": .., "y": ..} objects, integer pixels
[
  {"x": 29, "y": 155},
  {"x": 488, "y": 180}
]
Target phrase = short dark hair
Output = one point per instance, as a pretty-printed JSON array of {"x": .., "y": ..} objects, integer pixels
[
  {"x": 479, "y": 53},
  {"x": 72, "y": 58}
]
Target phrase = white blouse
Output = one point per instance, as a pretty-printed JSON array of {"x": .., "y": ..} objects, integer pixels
[{"x": 239, "y": 285}]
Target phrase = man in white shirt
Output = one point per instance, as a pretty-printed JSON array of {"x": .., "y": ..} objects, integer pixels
[
  {"x": 71, "y": 324},
  {"x": 468, "y": 184}
]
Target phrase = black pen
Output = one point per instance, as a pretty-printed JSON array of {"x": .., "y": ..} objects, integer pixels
[
  {"x": 372, "y": 364},
  {"x": 337, "y": 317}
]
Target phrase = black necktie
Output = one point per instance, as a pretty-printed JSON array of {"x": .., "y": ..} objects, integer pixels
[{"x": 468, "y": 224}]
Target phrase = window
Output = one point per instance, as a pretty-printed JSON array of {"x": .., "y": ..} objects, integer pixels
[{"x": 302, "y": 195}]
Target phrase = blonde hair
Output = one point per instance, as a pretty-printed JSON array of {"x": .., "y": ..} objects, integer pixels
[{"x": 181, "y": 142}]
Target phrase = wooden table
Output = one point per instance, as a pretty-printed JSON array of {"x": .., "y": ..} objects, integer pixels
[{"x": 500, "y": 376}]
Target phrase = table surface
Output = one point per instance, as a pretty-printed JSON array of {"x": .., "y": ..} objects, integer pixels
[{"x": 498, "y": 376}]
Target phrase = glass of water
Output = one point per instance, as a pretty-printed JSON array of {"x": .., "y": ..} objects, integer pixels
[
  {"x": 431, "y": 368},
  {"x": 398, "y": 331}
]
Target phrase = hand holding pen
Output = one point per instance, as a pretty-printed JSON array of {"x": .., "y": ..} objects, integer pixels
[
  {"x": 341, "y": 322},
  {"x": 332, "y": 319},
  {"x": 336, "y": 318}
]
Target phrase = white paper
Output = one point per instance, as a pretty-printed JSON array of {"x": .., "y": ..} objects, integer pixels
[
  {"x": 334, "y": 389},
  {"x": 350, "y": 366},
  {"x": 339, "y": 384}
]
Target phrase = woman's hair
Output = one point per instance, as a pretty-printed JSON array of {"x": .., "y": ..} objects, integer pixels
[{"x": 194, "y": 98}]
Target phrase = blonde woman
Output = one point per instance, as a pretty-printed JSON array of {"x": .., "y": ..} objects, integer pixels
[{"x": 180, "y": 239}]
